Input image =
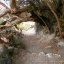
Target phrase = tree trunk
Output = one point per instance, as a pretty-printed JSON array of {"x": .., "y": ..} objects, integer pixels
[{"x": 13, "y": 5}]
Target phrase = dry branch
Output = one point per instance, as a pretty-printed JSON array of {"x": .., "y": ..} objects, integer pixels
[
  {"x": 7, "y": 11},
  {"x": 4, "y": 5},
  {"x": 58, "y": 22},
  {"x": 19, "y": 20},
  {"x": 27, "y": 8},
  {"x": 15, "y": 22}
]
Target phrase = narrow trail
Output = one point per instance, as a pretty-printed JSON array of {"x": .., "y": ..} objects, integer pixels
[{"x": 40, "y": 49}]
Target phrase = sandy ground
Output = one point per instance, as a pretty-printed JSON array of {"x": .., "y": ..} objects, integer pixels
[{"x": 41, "y": 48}]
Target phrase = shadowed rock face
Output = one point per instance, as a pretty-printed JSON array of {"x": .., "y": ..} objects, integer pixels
[{"x": 4, "y": 57}]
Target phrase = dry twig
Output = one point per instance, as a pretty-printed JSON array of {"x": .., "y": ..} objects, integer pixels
[{"x": 58, "y": 22}]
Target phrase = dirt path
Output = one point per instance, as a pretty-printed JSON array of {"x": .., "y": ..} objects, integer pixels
[{"x": 40, "y": 49}]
